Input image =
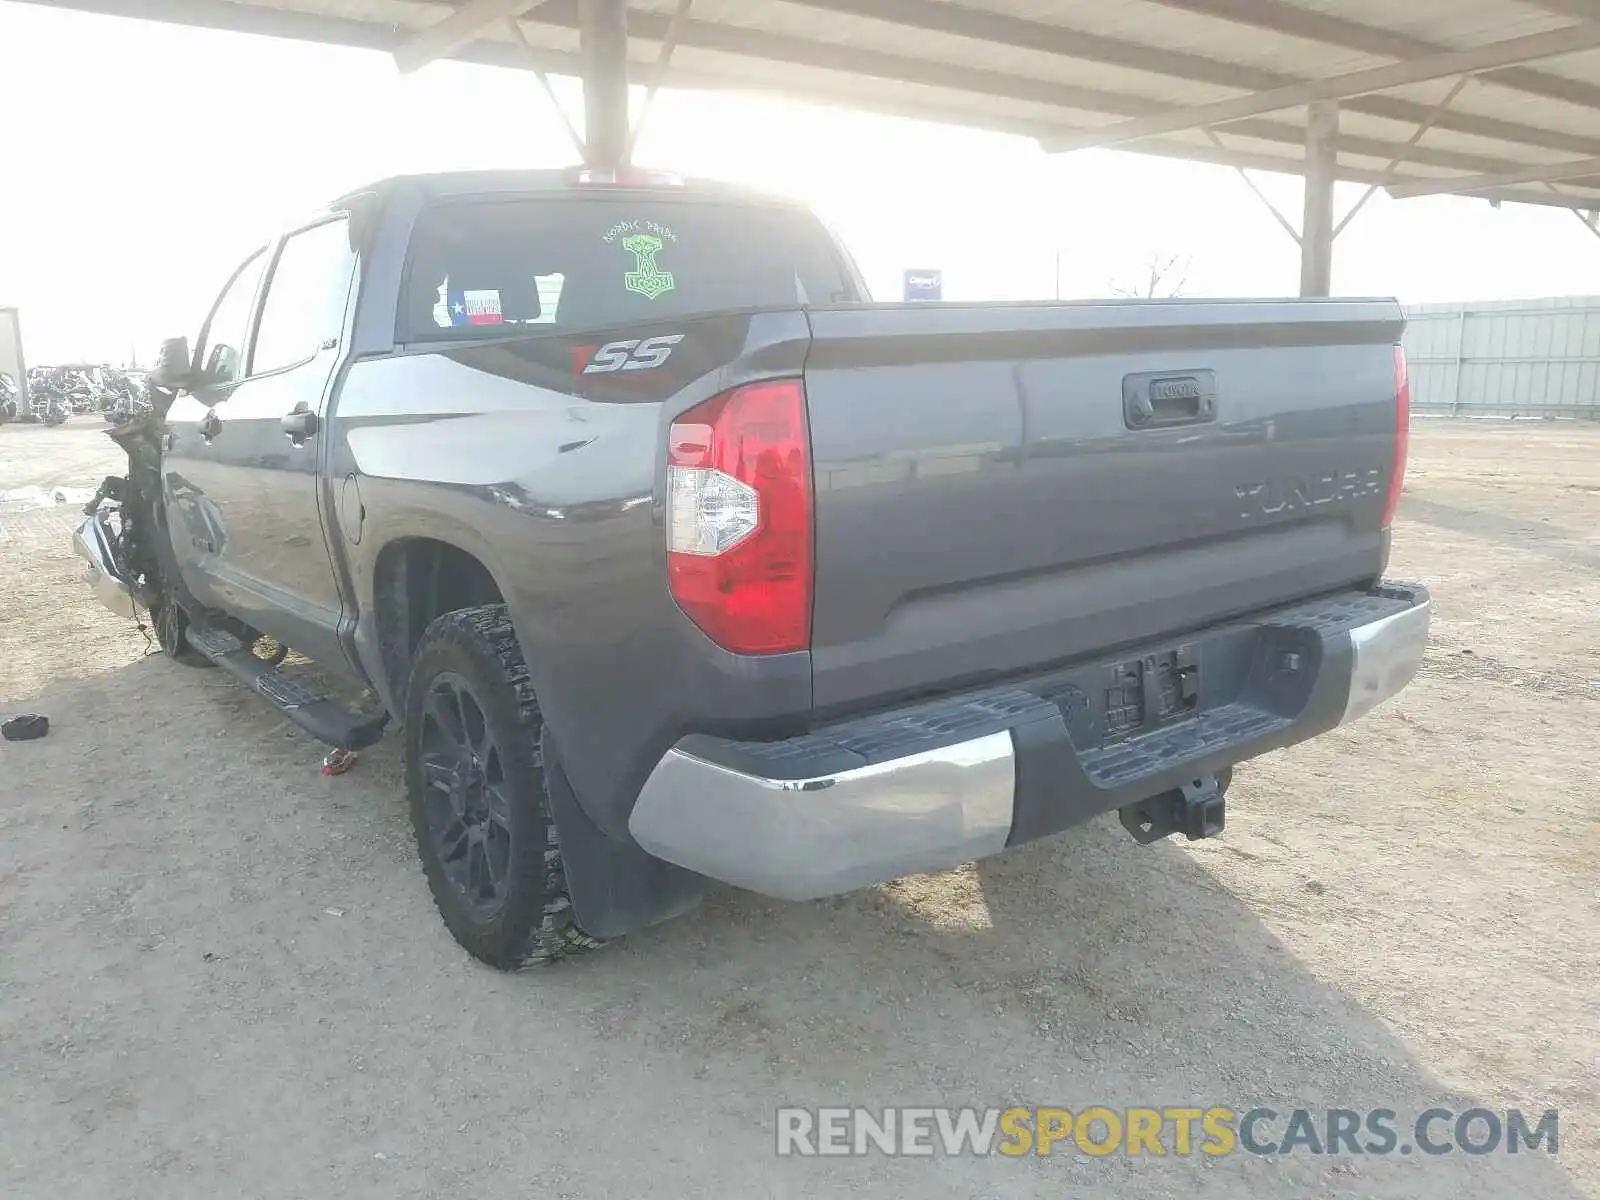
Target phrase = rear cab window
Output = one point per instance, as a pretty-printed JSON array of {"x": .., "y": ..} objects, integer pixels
[{"x": 572, "y": 261}]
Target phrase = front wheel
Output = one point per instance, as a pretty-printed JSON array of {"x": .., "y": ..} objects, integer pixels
[
  {"x": 171, "y": 622},
  {"x": 475, "y": 780}
]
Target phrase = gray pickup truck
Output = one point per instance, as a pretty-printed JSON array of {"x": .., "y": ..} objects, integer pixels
[{"x": 674, "y": 558}]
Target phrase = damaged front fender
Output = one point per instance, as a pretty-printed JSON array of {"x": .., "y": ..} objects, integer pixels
[{"x": 96, "y": 544}]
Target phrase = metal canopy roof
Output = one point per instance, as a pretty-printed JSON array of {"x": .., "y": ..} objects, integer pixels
[
  {"x": 1217, "y": 80},
  {"x": 1505, "y": 94}
]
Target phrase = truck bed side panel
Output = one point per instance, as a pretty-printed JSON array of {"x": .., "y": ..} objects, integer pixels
[{"x": 551, "y": 478}]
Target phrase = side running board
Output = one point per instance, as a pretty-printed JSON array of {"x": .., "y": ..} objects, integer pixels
[{"x": 324, "y": 719}]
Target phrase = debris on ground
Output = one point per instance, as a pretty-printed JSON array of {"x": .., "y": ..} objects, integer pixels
[
  {"x": 25, "y": 499},
  {"x": 25, "y": 728},
  {"x": 337, "y": 762}
]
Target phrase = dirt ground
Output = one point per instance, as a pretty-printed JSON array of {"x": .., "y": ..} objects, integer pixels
[{"x": 220, "y": 972}]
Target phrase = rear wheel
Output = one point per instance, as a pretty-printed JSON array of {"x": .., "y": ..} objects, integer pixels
[{"x": 475, "y": 779}]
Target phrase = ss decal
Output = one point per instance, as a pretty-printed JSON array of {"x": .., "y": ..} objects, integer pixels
[{"x": 632, "y": 354}]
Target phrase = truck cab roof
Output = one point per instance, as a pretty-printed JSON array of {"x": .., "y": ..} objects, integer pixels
[{"x": 522, "y": 182}]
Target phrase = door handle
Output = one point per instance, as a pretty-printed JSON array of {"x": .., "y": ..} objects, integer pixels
[
  {"x": 299, "y": 424},
  {"x": 1154, "y": 400},
  {"x": 210, "y": 424}
]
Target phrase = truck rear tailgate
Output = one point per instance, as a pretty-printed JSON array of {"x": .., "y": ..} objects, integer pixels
[{"x": 1004, "y": 486}]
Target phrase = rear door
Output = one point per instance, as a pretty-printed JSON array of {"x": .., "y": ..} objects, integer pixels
[{"x": 256, "y": 469}]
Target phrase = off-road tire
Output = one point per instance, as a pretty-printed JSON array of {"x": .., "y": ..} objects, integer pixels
[
  {"x": 534, "y": 923},
  {"x": 167, "y": 617},
  {"x": 170, "y": 622}
]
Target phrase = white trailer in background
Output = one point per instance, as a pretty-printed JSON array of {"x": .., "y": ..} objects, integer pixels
[{"x": 11, "y": 360}]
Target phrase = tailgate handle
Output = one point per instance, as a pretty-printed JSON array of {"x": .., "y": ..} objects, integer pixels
[{"x": 1158, "y": 399}]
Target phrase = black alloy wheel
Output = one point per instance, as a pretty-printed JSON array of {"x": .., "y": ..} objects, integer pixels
[
  {"x": 479, "y": 804},
  {"x": 465, "y": 801}
]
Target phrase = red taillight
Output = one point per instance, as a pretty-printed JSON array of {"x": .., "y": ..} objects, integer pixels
[
  {"x": 739, "y": 517},
  {"x": 1402, "y": 434}
]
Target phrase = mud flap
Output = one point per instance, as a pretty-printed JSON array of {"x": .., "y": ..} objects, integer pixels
[{"x": 615, "y": 887}]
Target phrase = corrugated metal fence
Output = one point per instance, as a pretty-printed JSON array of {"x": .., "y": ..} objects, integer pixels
[{"x": 1535, "y": 358}]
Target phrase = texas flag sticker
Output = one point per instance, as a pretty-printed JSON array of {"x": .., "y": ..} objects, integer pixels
[{"x": 475, "y": 308}]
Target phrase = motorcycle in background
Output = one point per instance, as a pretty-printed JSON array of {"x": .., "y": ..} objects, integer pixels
[
  {"x": 57, "y": 393},
  {"x": 125, "y": 395},
  {"x": 48, "y": 398}
]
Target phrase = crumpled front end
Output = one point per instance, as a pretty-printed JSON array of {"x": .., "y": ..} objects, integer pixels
[{"x": 95, "y": 543}]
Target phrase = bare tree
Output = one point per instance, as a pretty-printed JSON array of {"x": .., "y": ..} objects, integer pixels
[{"x": 1163, "y": 276}]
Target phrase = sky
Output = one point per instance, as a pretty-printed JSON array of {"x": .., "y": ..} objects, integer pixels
[{"x": 141, "y": 162}]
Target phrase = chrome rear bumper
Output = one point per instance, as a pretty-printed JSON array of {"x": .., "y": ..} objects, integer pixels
[
  {"x": 871, "y": 800},
  {"x": 800, "y": 838},
  {"x": 1388, "y": 653}
]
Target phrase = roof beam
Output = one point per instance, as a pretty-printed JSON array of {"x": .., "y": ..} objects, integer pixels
[
  {"x": 1511, "y": 132},
  {"x": 957, "y": 20},
  {"x": 1550, "y": 173},
  {"x": 368, "y": 35},
  {"x": 653, "y": 26},
  {"x": 981, "y": 25},
  {"x": 1356, "y": 83},
  {"x": 455, "y": 31},
  {"x": 1229, "y": 157},
  {"x": 852, "y": 60},
  {"x": 843, "y": 89},
  {"x": 1548, "y": 199},
  {"x": 543, "y": 76},
  {"x": 843, "y": 63},
  {"x": 1350, "y": 143},
  {"x": 1330, "y": 30},
  {"x": 1412, "y": 142},
  {"x": 936, "y": 16},
  {"x": 1587, "y": 10}
]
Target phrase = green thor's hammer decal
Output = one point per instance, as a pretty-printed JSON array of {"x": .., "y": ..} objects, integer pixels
[{"x": 647, "y": 279}]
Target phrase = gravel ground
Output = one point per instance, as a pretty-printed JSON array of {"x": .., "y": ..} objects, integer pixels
[{"x": 220, "y": 972}]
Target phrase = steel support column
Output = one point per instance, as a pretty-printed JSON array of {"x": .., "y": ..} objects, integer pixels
[
  {"x": 1316, "y": 225},
  {"x": 603, "y": 42}
]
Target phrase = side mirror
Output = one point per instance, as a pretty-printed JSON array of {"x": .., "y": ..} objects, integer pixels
[{"x": 174, "y": 368}]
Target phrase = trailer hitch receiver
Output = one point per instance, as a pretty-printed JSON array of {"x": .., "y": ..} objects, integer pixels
[{"x": 1197, "y": 809}]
